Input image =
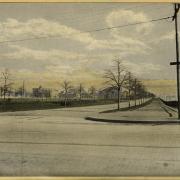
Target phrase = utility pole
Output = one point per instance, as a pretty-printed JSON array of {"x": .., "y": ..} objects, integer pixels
[
  {"x": 135, "y": 83},
  {"x": 118, "y": 63},
  {"x": 23, "y": 89},
  {"x": 129, "y": 90},
  {"x": 175, "y": 18}
]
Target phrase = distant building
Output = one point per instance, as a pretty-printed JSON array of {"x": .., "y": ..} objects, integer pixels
[
  {"x": 72, "y": 94},
  {"x": 41, "y": 92},
  {"x": 84, "y": 95},
  {"x": 111, "y": 93}
]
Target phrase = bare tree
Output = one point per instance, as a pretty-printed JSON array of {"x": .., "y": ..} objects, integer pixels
[
  {"x": 140, "y": 91},
  {"x": 66, "y": 85},
  {"x": 6, "y": 82},
  {"x": 116, "y": 77},
  {"x": 92, "y": 92},
  {"x": 129, "y": 83},
  {"x": 143, "y": 92},
  {"x": 80, "y": 91},
  {"x": 1, "y": 91},
  {"x": 134, "y": 86},
  {"x": 21, "y": 90},
  {"x": 137, "y": 88},
  {"x": 134, "y": 89}
]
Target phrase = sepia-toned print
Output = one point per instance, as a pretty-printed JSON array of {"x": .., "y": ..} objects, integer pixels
[{"x": 89, "y": 89}]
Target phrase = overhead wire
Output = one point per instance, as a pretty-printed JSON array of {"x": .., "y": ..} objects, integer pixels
[{"x": 89, "y": 31}]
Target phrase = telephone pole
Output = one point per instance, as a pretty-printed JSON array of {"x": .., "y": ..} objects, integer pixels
[
  {"x": 129, "y": 90},
  {"x": 175, "y": 19},
  {"x": 176, "y": 9},
  {"x": 23, "y": 89}
]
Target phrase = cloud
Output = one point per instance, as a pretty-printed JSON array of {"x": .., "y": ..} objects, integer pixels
[
  {"x": 124, "y": 17},
  {"x": 65, "y": 61},
  {"x": 12, "y": 29},
  {"x": 41, "y": 27},
  {"x": 161, "y": 87},
  {"x": 54, "y": 61},
  {"x": 76, "y": 67},
  {"x": 129, "y": 41},
  {"x": 144, "y": 69},
  {"x": 52, "y": 55},
  {"x": 60, "y": 64},
  {"x": 167, "y": 36}
]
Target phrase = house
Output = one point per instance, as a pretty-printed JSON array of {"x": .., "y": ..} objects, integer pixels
[
  {"x": 41, "y": 92},
  {"x": 111, "y": 93},
  {"x": 71, "y": 94},
  {"x": 74, "y": 93}
]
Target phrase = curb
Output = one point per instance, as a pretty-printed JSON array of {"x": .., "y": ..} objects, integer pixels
[{"x": 131, "y": 121}]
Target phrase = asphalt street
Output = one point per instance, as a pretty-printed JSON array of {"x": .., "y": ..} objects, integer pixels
[{"x": 60, "y": 142}]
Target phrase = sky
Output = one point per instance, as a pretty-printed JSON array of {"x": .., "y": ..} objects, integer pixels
[{"x": 47, "y": 43}]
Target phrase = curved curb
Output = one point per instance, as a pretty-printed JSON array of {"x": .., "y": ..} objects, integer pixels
[{"x": 131, "y": 121}]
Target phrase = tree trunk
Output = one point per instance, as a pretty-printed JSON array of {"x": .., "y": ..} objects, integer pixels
[
  {"x": 135, "y": 97},
  {"x": 4, "y": 93},
  {"x": 65, "y": 100},
  {"x": 129, "y": 100},
  {"x": 118, "y": 98}
]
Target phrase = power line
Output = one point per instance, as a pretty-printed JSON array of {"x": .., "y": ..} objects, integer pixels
[
  {"x": 132, "y": 24},
  {"x": 90, "y": 31},
  {"x": 95, "y": 20}
]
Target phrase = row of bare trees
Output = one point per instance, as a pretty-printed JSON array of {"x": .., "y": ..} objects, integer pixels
[
  {"x": 6, "y": 84},
  {"x": 6, "y": 87},
  {"x": 118, "y": 77},
  {"x": 66, "y": 87}
]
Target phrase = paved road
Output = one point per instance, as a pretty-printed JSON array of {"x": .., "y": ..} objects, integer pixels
[{"x": 61, "y": 142}]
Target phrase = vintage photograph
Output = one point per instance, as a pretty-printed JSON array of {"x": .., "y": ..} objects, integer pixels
[{"x": 89, "y": 89}]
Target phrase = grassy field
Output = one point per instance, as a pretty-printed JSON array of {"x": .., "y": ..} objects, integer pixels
[{"x": 35, "y": 104}]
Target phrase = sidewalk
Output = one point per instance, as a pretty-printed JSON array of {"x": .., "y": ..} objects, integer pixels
[{"x": 155, "y": 112}]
